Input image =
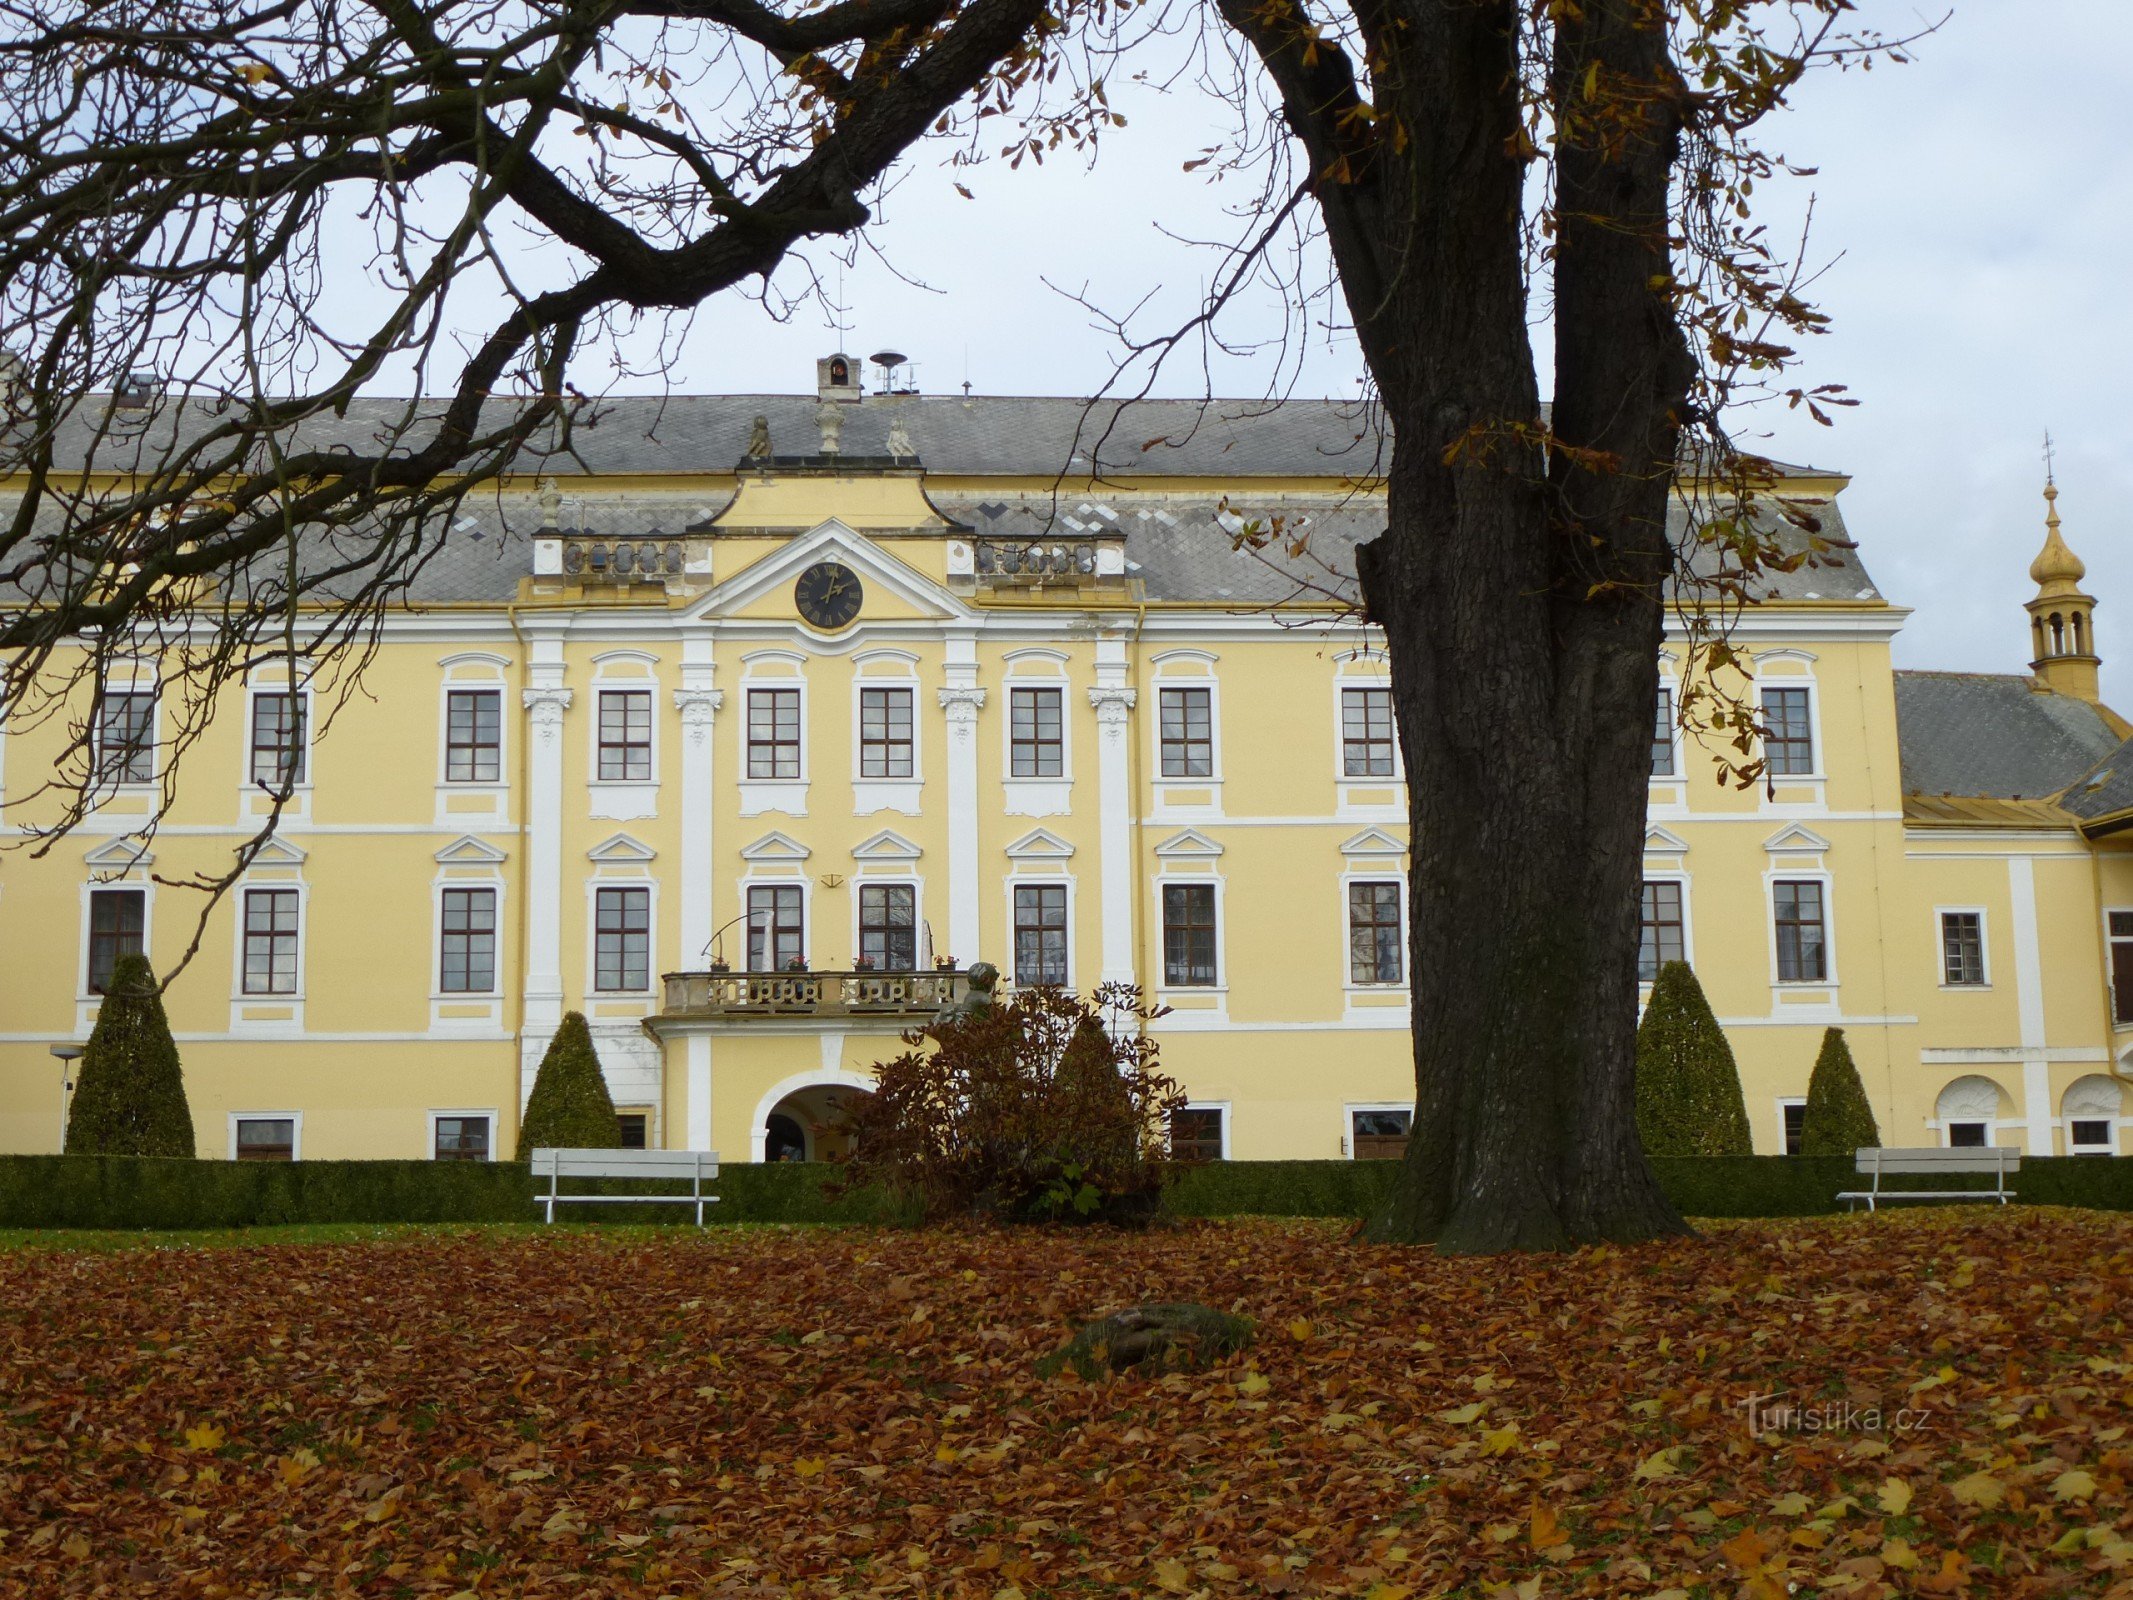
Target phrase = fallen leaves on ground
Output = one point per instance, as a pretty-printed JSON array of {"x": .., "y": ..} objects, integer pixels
[{"x": 759, "y": 1412}]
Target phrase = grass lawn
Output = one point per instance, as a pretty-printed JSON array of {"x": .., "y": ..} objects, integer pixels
[{"x": 769, "y": 1411}]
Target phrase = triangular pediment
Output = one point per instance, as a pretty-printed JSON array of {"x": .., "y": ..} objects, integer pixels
[
  {"x": 278, "y": 852},
  {"x": 1664, "y": 842},
  {"x": 468, "y": 851},
  {"x": 1373, "y": 842},
  {"x": 620, "y": 847},
  {"x": 1039, "y": 844},
  {"x": 1796, "y": 839},
  {"x": 775, "y": 846},
  {"x": 119, "y": 855},
  {"x": 908, "y": 588},
  {"x": 887, "y": 845},
  {"x": 1190, "y": 843}
]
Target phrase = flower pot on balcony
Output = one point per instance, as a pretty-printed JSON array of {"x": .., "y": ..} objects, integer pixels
[
  {"x": 796, "y": 964},
  {"x": 862, "y": 963},
  {"x": 719, "y": 964},
  {"x": 944, "y": 964}
]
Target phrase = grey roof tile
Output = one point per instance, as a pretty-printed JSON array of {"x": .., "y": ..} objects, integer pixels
[{"x": 1994, "y": 734}]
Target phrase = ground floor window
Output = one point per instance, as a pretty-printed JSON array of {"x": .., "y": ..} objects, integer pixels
[
  {"x": 1379, "y": 1135},
  {"x": 2091, "y": 1108},
  {"x": 266, "y": 1138},
  {"x": 461, "y": 1139},
  {"x": 1969, "y": 1135},
  {"x": 2091, "y": 1136},
  {"x": 1196, "y": 1133},
  {"x": 636, "y": 1128},
  {"x": 1795, "y": 1114}
]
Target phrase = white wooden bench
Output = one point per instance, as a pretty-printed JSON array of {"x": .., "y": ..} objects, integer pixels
[
  {"x": 1933, "y": 1161},
  {"x": 556, "y": 1164}
]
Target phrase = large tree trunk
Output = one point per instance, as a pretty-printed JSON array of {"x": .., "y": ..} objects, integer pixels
[{"x": 1519, "y": 580}]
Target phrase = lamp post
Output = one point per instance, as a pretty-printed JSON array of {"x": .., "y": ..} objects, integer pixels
[{"x": 68, "y": 1054}]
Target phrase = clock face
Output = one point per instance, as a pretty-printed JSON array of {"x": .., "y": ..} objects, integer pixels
[{"x": 828, "y": 595}]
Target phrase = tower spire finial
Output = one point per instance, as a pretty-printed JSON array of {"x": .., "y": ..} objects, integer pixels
[
  {"x": 2062, "y": 619},
  {"x": 2048, "y": 482}
]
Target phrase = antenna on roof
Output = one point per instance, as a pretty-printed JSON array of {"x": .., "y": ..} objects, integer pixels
[{"x": 888, "y": 361}]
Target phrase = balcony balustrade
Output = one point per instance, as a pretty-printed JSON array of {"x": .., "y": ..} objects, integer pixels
[{"x": 741, "y": 996}]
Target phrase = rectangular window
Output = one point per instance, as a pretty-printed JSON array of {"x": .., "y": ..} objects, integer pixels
[
  {"x": 126, "y": 738},
  {"x": 1659, "y": 939},
  {"x": 622, "y": 940},
  {"x": 1196, "y": 1133},
  {"x": 1663, "y": 736},
  {"x": 1802, "y": 946},
  {"x": 1366, "y": 733},
  {"x": 888, "y": 926},
  {"x": 1967, "y": 1135},
  {"x": 1188, "y": 732},
  {"x": 774, "y": 733},
  {"x": 1038, "y": 749},
  {"x": 635, "y": 1128},
  {"x": 1962, "y": 948},
  {"x": 468, "y": 963},
  {"x": 625, "y": 736},
  {"x": 266, "y": 1138},
  {"x": 2091, "y": 1136},
  {"x": 1789, "y": 741},
  {"x": 1379, "y": 1135},
  {"x": 1040, "y": 934},
  {"x": 2121, "y": 925},
  {"x": 1189, "y": 935},
  {"x": 278, "y": 738},
  {"x": 1795, "y": 1114},
  {"x": 461, "y": 1139},
  {"x": 1374, "y": 954},
  {"x": 884, "y": 733},
  {"x": 774, "y": 929},
  {"x": 270, "y": 941},
  {"x": 117, "y": 919},
  {"x": 473, "y": 736}
]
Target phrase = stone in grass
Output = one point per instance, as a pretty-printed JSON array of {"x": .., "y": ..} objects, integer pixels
[{"x": 1157, "y": 1338}]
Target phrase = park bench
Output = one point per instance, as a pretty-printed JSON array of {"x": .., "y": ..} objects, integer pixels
[
  {"x": 1932, "y": 1161},
  {"x": 556, "y": 1164}
]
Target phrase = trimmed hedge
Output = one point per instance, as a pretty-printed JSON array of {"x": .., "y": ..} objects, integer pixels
[{"x": 139, "y": 1192}]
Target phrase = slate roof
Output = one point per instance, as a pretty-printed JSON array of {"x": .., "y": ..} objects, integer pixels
[
  {"x": 2106, "y": 789},
  {"x": 1979, "y": 734}
]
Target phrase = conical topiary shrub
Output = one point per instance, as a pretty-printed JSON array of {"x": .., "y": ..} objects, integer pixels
[
  {"x": 1688, "y": 1087},
  {"x": 569, "y": 1106},
  {"x": 1838, "y": 1120},
  {"x": 131, "y": 1099}
]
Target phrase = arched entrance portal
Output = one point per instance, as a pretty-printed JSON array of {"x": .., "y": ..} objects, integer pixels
[{"x": 807, "y": 1124}]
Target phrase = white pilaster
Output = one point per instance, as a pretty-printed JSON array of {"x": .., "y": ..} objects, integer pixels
[
  {"x": 546, "y": 700},
  {"x": 699, "y": 1045},
  {"x": 698, "y": 703},
  {"x": 1114, "y": 797},
  {"x": 962, "y": 699},
  {"x": 2029, "y": 1004}
]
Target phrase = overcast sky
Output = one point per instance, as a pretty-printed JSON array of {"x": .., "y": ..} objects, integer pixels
[{"x": 1976, "y": 203}]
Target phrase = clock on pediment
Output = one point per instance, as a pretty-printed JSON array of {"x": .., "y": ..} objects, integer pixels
[{"x": 828, "y": 595}]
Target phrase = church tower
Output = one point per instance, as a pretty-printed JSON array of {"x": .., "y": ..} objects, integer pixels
[{"x": 2062, "y": 620}]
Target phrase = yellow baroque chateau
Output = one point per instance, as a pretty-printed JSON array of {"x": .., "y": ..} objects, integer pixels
[{"x": 760, "y": 715}]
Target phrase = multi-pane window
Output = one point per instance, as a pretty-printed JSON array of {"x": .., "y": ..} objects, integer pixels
[
  {"x": 1189, "y": 935},
  {"x": 775, "y": 930},
  {"x": 1379, "y": 1135},
  {"x": 635, "y": 1128},
  {"x": 1795, "y": 1114},
  {"x": 266, "y": 1138},
  {"x": 1969, "y": 1135},
  {"x": 117, "y": 920},
  {"x": 1962, "y": 948},
  {"x": 270, "y": 941},
  {"x": 774, "y": 733},
  {"x": 622, "y": 940},
  {"x": 473, "y": 736},
  {"x": 1196, "y": 1133},
  {"x": 888, "y": 926},
  {"x": 1802, "y": 941},
  {"x": 1659, "y": 937},
  {"x": 1663, "y": 736},
  {"x": 278, "y": 736},
  {"x": 1366, "y": 733},
  {"x": 1037, "y": 748},
  {"x": 468, "y": 958},
  {"x": 885, "y": 733},
  {"x": 625, "y": 736},
  {"x": 1374, "y": 954},
  {"x": 1789, "y": 740},
  {"x": 461, "y": 1139},
  {"x": 2121, "y": 931},
  {"x": 126, "y": 738},
  {"x": 1188, "y": 732},
  {"x": 2091, "y": 1136},
  {"x": 1040, "y": 934}
]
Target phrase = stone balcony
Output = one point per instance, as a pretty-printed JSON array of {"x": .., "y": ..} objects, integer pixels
[{"x": 907, "y": 997}]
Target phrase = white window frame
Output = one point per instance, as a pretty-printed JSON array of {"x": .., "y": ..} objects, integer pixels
[
  {"x": 1947, "y": 1131},
  {"x": 252, "y": 693},
  {"x": 635, "y": 879},
  {"x": 1177, "y": 670},
  {"x": 246, "y": 888},
  {"x": 150, "y": 685},
  {"x": 784, "y": 795},
  {"x": 1182, "y": 879},
  {"x": 434, "y": 1116},
  {"x": 1802, "y": 679},
  {"x": 1223, "y": 1109},
  {"x": 1943, "y": 1129},
  {"x": 1783, "y": 1102},
  {"x": 1041, "y": 875},
  {"x": 135, "y": 878},
  {"x": 1349, "y": 1109},
  {"x": 1037, "y": 667},
  {"x": 1771, "y": 879},
  {"x": 900, "y": 795},
  {"x": 458, "y": 678},
  {"x": 1984, "y": 938},
  {"x": 1680, "y": 877},
  {"x": 438, "y": 993},
  {"x": 1669, "y": 687},
  {"x": 1366, "y": 869},
  {"x": 1341, "y": 685},
  {"x": 296, "y": 1133}
]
